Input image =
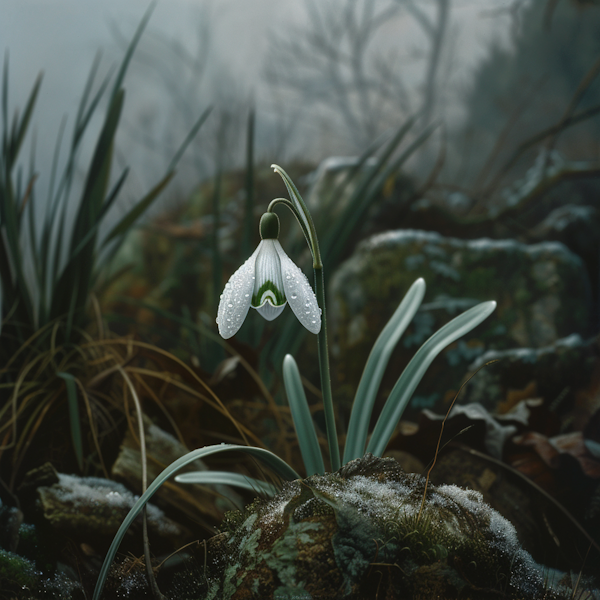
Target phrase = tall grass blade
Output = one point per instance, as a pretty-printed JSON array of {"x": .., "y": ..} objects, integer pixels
[
  {"x": 327, "y": 205},
  {"x": 131, "y": 217},
  {"x": 416, "y": 368},
  {"x": 188, "y": 138},
  {"x": 131, "y": 49},
  {"x": 4, "y": 102},
  {"x": 357, "y": 209},
  {"x": 21, "y": 129},
  {"x": 74, "y": 421},
  {"x": 364, "y": 192},
  {"x": 303, "y": 423},
  {"x": 80, "y": 119},
  {"x": 74, "y": 284},
  {"x": 249, "y": 225},
  {"x": 270, "y": 460},
  {"x": 370, "y": 380}
]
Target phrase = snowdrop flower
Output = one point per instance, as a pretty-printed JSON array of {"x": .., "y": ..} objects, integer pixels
[{"x": 267, "y": 281}]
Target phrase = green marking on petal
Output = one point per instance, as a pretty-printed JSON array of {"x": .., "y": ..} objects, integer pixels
[{"x": 268, "y": 291}]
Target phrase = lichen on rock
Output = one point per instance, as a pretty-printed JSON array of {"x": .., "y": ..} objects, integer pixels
[{"x": 365, "y": 532}]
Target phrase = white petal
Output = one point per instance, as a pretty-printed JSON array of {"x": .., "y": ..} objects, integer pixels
[
  {"x": 299, "y": 293},
  {"x": 269, "y": 312},
  {"x": 268, "y": 284},
  {"x": 236, "y": 298}
]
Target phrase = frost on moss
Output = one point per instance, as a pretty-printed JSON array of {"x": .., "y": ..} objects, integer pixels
[{"x": 361, "y": 529}]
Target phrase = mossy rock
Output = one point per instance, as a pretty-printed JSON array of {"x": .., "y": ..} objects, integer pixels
[
  {"x": 20, "y": 579},
  {"x": 542, "y": 291},
  {"x": 365, "y": 532}
]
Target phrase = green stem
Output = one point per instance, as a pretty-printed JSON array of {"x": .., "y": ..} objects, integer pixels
[{"x": 332, "y": 439}]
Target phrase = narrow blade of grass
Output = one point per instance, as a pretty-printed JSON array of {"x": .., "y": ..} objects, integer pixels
[
  {"x": 21, "y": 129},
  {"x": 131, "y": 49},
  {"x": 131, "y": 217},
  {"x": 188, "y": 139},
  {"x": 74, "y": 422},
  {"x": 249, "y": 225}
]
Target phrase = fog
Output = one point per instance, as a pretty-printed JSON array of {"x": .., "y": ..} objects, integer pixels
[{"x": 231, "y": 41}]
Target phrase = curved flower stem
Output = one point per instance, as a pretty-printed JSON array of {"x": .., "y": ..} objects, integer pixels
[
  {"x": 332, "y": 439},
  {"x": 295, "y": 212}
]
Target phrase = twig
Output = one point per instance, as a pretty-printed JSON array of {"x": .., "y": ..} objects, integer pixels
[
  {"x": 510, "y": 123},
  {"x": 442, "y": 432},
  {"x": 538, "y": 137}
]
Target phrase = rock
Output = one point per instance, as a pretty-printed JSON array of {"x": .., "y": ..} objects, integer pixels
[
  {"x": 542, "y": 292},
  {"x": 11, "y": 518},
  {"x": 20, "y": 579},
  {"x": 91, "y": 509},
  {"x": 578, "y": 228},
  {"x": 551, "y": 534},
  {"x": 365, "y": 532},
  {"x": 163, "y": 449},
  {"x": 562, "y": 375}
]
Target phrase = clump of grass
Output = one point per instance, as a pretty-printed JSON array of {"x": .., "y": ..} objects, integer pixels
[{"x": 48, "y": 273}]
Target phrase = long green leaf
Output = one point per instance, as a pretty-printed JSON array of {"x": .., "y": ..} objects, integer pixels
[
  {"x": 94, "y": 228},
  {"x": 131, "y": 49},
  {"x": 358, "y": 210},
  {"x": 303, "y": 422},
  {"x": 136, "y": 212},
  {"x": 96, "y": 184},
  {"x": 327, "y": 205},
  {"x": 5, "y": 102},
  {"x": 366, "y": 393},
  {"x": 416, "y": 368},
  {"x": 364, "y": 192},
  {"x": 249, "y": 226},
  {"x": 24, "y": 124},
  {"x": 131, "y": 217},
  {"x": 74, "y": 422},
  {"x": 227, "y": 478},
  {"x": 189, "y": 137},
  {"x": 271, "y": 460},
  {"x": 66, "y": 296},
  {"x": 81, "y": 122}
]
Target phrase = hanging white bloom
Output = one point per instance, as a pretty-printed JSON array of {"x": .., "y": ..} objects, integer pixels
[{"x": 267, "y": 281}]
